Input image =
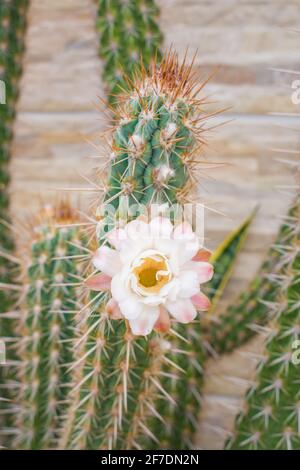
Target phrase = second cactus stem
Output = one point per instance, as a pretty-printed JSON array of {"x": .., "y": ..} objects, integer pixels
[
  {"x": 241, "y": 321},
  {"x": 270, "y": 419},
  {"x": 129, "y": 34},
  {"x": 52, "y": 263}
]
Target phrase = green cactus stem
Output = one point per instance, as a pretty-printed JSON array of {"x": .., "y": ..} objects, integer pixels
[
  {"x": 271, "y": 416},
  {"x": 155, "y": 145},
  {"x": 51, "y": 273},
  {"x": 238, "y": 323},
  {"x": 185, "y": 375},
  {"x": 12, "y": 33},
  {"x": 129, "y": 36},
  {"x": 121, "y": 378}
]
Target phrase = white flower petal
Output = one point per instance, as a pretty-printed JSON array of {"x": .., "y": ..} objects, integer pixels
[
  {"x": 152, "y": 300},
  {"x": 107, "y": 260},
  {"x": 143, "y": 325},
  {"x": 183, "y": 231},
  {"x": 170, "y": 291},
  {"x": 182, "y": 309},
  {"x": 188, "y": 284},
  {"x": 115, "y": 237},
  {"x": 131, "y": 307},
  {"x": 136, "y": 230},
  {"x": 187, "y": 250},
  {"x": 161, "y": 228},
  {"x": 169, "y": 247},
  {"x": 119, "y": 289}
]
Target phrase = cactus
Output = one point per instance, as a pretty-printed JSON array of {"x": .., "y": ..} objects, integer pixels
[
  {"x": 238, "y": 323},
  {"x": 12, "y": 29},
  {"x": 271, "y": 416},
  {"x": 12, "y": 32},
  {"x": 50, "y": 272},
  {"x": 120, "y": 377},
  {"x": 187, "y": 371},
  {"x": 129, "y": 35},
  {"x": 155, "y": 143}
]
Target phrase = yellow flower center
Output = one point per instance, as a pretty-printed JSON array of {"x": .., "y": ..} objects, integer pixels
[{"x": 152, "y": 273}]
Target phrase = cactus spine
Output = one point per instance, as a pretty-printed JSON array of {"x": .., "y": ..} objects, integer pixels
[
  {"x": 51, "y": 273},
  {"x": 129, "y": 34},
  {"x": 271, "y": 417}
]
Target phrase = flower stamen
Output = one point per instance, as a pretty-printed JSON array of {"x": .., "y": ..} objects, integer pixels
[{"x": 152, "y": 273}]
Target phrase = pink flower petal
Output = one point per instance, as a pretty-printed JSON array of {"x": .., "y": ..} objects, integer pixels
[
  {"x": 182, "y": 309},
  {"x": 205, "y": 271},
  {"x": 113, "y": 309},
  {"x": 107, "y": 260},
  {"x": 100, "y": 282},
  {"x": 163, "y": 322},
  {"x": 201, "y": 302},
  {"x": 202, "y": 255}
]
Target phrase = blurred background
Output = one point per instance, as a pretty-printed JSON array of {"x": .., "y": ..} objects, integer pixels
[{"x": 249, "y": 42}]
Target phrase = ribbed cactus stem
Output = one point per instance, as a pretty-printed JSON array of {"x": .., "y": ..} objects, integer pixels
[
  {"x": 51, "y": 275},
  {"x": 182, "y": 379},
  {"x": 129, "y": 36},
  {"x": 137, "y": 432},
  {"x": 156, "y": 138},
  {"x": 13, "y": 15},
  {"x": 122, "y": 380},
  {"x": 271, "y": 416},
  {"x": 110, "y": 377}
]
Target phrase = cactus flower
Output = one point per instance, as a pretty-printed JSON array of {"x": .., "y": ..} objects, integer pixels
[{"x": 155, "y": 268}]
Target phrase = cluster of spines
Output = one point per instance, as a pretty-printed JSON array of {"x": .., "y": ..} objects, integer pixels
[
  {"x": 156, "y": 139},
  {"x": 182, "y": 379},
  {"x": 129, "y": 34},
  {"x": 115, "y": 385},
  {"x": 271, "y": 419},
  {"x": 50, "y": 278}
]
